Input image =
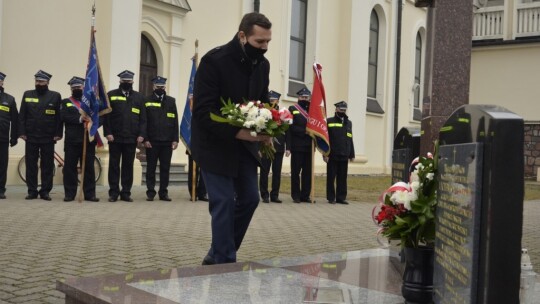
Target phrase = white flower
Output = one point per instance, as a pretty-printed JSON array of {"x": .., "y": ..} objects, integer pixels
[
  {"x": 249, "y": 105},
  {"x": 260, "y": 122},
  {"x": 248, "y": 124},
  {"x": 415, "y": 185},
  {"x": 419, "y": 166},
  {"x": 401, "y": 197},
  {"x": 430, "y": 176},
  {"x": 253, "y": 133},
  {"x": 414, "y": 177},
  {"x": 266, "y": 113}
]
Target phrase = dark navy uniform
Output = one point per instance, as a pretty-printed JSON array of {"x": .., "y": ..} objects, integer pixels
[
  {"x": 39, "y": 122},
  {"x": 162, "y": 124},
  {"x": 126, "y": 122},
  {"x": 73, "y": 146},
  {"x": 300, "y": 145},
  {"x": 341, "y": 151},
  {"x": 8, "y": 120},
  {"x": 275, "y": 165}
]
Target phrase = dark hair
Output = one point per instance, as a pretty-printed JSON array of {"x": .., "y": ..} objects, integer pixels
[{"x": 251, "y": 19}]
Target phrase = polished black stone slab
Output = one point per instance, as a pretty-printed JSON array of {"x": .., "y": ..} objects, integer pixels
[{"x": 481, "y": 215}]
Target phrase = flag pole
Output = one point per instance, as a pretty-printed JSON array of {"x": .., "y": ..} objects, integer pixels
[
  {"x": 83, "y": 158},
  {"x": 312, "y": 193},
  {"x": 193, "y": 164}
]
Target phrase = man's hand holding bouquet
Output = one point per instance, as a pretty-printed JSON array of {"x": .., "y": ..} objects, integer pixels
[{"x": 256, "y": 119}]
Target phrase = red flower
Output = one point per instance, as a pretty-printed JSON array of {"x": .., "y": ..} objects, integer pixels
[{"x": 275, "y": 116}]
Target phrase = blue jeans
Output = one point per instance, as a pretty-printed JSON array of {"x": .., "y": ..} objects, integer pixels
[{"x": 232, "y": 203}]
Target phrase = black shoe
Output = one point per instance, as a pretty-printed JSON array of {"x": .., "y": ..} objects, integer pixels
[
  {"x": 31, "y": 197},
  {"x": 45, "y": 197},
  {"x": 342, "y": 202},
  {"x": 165, "y": 198},
  {"x": 208, "y": 260},
  {"x": 126, "y": 199},
  {"x": 113, "y": 199},
  {"x": 150, "y": 198},
  {"x": 331, "y": 202},
  {"x": 276, "y": 200},
  {"x": 265, "y": 200},
  {"x": 203, "y": 198},
  {"x": 296, "y": 201},
  {"x": 92, "y": 199},
  {"x": 2, "y": 196},
  {"x": 307, "y": 201},
  {"x": 68, "y": 199}
]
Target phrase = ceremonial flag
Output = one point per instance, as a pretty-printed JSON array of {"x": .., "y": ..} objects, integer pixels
[
  {"x": 185, "y": 125},
  {"x": 95, "y": 101},
  {"x": 316, "y": 126}
]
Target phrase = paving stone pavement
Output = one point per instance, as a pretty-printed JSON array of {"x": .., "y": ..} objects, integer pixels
[{"x": 41, "y": 242}]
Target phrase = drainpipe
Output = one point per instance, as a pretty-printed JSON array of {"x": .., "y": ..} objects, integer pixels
[
  {"x": 256, "y": 5},
  {"x": 398, "y": 65}
]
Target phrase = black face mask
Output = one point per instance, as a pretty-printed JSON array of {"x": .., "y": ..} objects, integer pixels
[
  {"x": 304, "y": 104},
  {"x": 159, "y": 92},
  {"x": 126, "y": 86},
  {"x": 41, "y": 89},
  {"x": 1, "y": 89},
  {"x": 340, "y": 114},
  {"x": 253, "y": 52},
  {"x": 76, "y": 93}
]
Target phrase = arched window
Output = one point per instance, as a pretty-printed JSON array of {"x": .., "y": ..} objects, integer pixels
[
  {"x": 373, "y": 52},
  {"x": 148, "y": 66}
]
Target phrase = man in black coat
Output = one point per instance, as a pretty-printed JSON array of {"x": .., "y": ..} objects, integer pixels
[
  {"x": 8, "y": 120},
  {"x": 74, "y": 124},
  {"x": 341, "y": 152},
  {"x": 124, "y": 127},
  {"x": 299, "y": 146},
  {"x": 228, "y": 155},
  {"x": 275, "y": 165},
  {"x": 40, "y": 126},
  {"x": 162, "y": 139}
]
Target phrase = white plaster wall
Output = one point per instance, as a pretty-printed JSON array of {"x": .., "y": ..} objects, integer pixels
[{"x": 507, "y": 76}]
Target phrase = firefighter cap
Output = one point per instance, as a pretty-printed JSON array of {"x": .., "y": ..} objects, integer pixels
[
  {"x": 304, "y": 92},
  {"x": 273, "y": 95},
  {"x": 76, "y": 81},
  {"x": 159, "y": 81},
  {"x": 342, "y": 105},
  {"x": 42, "y": 75},
  {"x": 126, "y": 75}
]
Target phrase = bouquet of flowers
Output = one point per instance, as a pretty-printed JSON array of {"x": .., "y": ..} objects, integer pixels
[
  {"x": 406, "y": 211},
  {"x": 258, "y": 117}
]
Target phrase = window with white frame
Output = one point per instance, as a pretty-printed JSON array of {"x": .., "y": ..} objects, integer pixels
[
  {"x": 297, "y": 53},
  {"x": 373, "y": 105},
  {"x": 417, "y": 89},
  {"x": 373, "y": 54}
]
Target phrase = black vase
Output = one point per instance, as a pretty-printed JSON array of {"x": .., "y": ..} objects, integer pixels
[{"x": 417, "y": 285}]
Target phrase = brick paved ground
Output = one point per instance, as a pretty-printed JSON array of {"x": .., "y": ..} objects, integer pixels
[{"x": 41, "y": 241}]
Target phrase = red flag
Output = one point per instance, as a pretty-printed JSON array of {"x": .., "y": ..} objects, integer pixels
[{"x": 316, "y": 126}]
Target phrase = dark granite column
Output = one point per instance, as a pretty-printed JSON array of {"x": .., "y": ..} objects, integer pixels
[{"x": 448, "y": 63}]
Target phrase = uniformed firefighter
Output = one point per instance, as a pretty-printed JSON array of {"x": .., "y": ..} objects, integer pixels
[
  {"x": 40, "y": 127},
  {"x": 341, "y": 152},
  {"x": 124, "y": 127},
  {"x": 8, "y": 132},
  {"x": 162, "y": 139},
  {"x": 74, "y": 125},
  {"x": 275, "y": 165},
  {"x": 299, "y": 146}
]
